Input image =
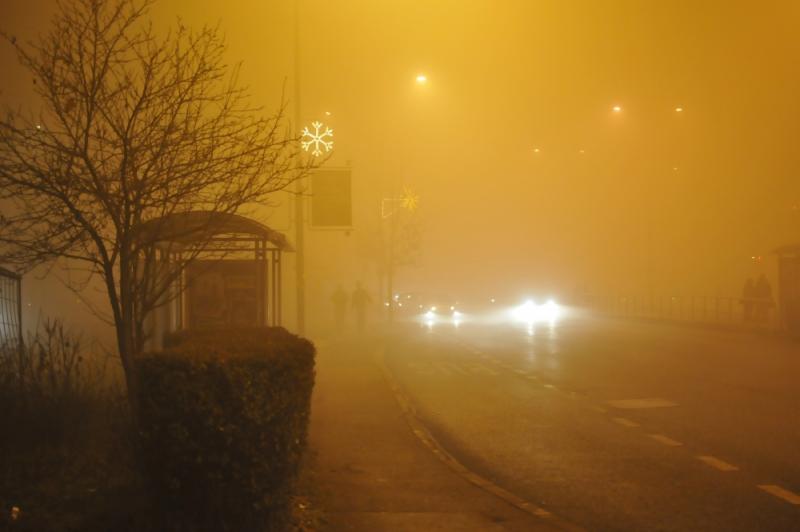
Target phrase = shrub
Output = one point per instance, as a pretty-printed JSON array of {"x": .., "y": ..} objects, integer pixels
[
  {"x": 224, "y": 417},
  {"x": 48, "y": 386},
  {"x": 66, "y": 451}
]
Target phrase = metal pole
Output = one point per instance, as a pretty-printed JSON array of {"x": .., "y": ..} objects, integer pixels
[
  {"x": 390, "y": 269},
  {"x": 19, "y": 311},
  {"x": 299, "y": 200}
]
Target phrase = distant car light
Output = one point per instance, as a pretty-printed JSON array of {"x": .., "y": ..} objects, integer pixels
[
  {"x": 525, "y": 313},
  {"x": 529, "y": 312},
  {"x": 550, "y": 311}
]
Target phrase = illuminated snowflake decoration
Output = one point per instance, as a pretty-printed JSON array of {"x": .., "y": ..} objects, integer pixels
[
  {"x": 315, "y": 139},
  {"x": 410, "y": 201}
]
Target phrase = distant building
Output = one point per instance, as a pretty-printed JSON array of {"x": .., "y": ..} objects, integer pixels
[{"x": 789, "y": 287}]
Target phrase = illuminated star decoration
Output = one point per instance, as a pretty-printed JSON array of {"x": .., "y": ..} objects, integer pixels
[
  {"x": 409, "y": 201},
  {"x": 316, "y": 139}
]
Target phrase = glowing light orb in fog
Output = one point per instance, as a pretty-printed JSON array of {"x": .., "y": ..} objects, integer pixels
[{"x": 529, "y": 312}]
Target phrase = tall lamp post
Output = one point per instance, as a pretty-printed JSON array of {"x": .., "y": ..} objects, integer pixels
[
  {"x": 299, "y": 205},
  {"x": 316, "y": 139}
]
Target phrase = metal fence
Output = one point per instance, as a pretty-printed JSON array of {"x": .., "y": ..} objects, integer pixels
[
  {"x": 10, "y": 309},
  {"x": 698, "y": 309}
]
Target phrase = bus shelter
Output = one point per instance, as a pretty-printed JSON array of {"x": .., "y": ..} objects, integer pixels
[{"x": 228, "y": 271}]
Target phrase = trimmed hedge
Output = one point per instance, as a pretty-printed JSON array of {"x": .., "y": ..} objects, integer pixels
[{"x": 224, "y": 417}]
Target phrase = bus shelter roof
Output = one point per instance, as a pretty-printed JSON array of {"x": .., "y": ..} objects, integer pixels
[{"x": 192, "y": 227}]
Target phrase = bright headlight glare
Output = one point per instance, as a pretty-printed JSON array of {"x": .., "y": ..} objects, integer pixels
[
  {"x": 530, "y": 312},
  {"x": 526, "y": 312},
  {"x": 550, "y": 311}
]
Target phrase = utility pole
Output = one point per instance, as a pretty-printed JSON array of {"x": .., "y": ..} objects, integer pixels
[{"x": 299, "y": 200}]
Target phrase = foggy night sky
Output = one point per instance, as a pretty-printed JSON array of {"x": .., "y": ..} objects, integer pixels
[{"x": 681, "y": 200}]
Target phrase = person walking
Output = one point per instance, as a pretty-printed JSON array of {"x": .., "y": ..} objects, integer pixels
[
  {"x": 763, "y": 293},
  {"x": 748, "y": 299},
  {"x": 339, "y": 300},
  {"x": 360, "y": 301}
]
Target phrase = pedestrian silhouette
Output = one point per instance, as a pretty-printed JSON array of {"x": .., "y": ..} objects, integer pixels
[
  {"x": 763, "y": 293},
  {"x": 339, "y": 300},
  {"x": 360, "y": 300},
  {"x": 748, "y": 299}
]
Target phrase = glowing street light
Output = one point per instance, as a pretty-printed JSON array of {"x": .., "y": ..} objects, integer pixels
[
  {"x": 679, "y": 109},
  {"x": 617, "y": 109},
  {"x": 421, "y": 79}
]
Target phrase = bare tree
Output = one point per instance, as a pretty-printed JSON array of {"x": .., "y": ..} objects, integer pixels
[
  {"x": 394, "y": 243},
  {"x": 132, "y": 127}
]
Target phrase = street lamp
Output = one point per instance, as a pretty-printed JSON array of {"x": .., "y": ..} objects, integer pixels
[{"x": 421, "y": 79}]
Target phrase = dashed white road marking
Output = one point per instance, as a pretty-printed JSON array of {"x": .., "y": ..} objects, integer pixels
[
  {"x": 480, "y": 368},
  {"x": 625, "y": 422},
  {"x": 443, "y": 368},
  {"x": 717, "y": 463},
  {"x": 423, "y": 369},
  {"x": 649, "y": 402},
  {"x": 781, "y": 493},
  {"x": 550, "y": 386},
  {"x": 666, "y": 440},
  {"x": 457, "y": 368}
]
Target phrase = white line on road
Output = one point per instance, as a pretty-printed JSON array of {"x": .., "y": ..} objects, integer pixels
[
  {"x": 717, "y": 463},
  {"x": 457, "y": 368},
  {"x": 625, "y": 422},
  {"x": 666, "y": 440},
  {"x": 480, "y": 368},
  {"x": 782, "y": 493},
  {"x": 649, "y": 402},
  {"x": 423, "y": 369},
  {"x": 443, "y": 369},
  {"x": 550, "y": 386}
]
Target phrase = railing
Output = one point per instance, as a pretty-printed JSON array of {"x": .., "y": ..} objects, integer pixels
[
  {"x": 697, "y": 309},
  {"x": 10, "y": 309}
]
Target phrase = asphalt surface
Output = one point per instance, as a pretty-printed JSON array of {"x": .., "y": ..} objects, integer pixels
[{"x": 617, "y": 425}]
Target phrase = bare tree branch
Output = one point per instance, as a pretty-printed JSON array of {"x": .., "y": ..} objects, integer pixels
[{"x": 133, "y": 127}]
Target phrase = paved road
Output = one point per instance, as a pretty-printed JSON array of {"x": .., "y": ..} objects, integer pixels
[{"x": 618, "y": 425}]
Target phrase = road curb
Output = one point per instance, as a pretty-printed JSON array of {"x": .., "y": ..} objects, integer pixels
[{"x": 424, "y": 435}]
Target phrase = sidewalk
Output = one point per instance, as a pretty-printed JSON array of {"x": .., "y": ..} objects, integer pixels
[{"x": 372, "y": 473}]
